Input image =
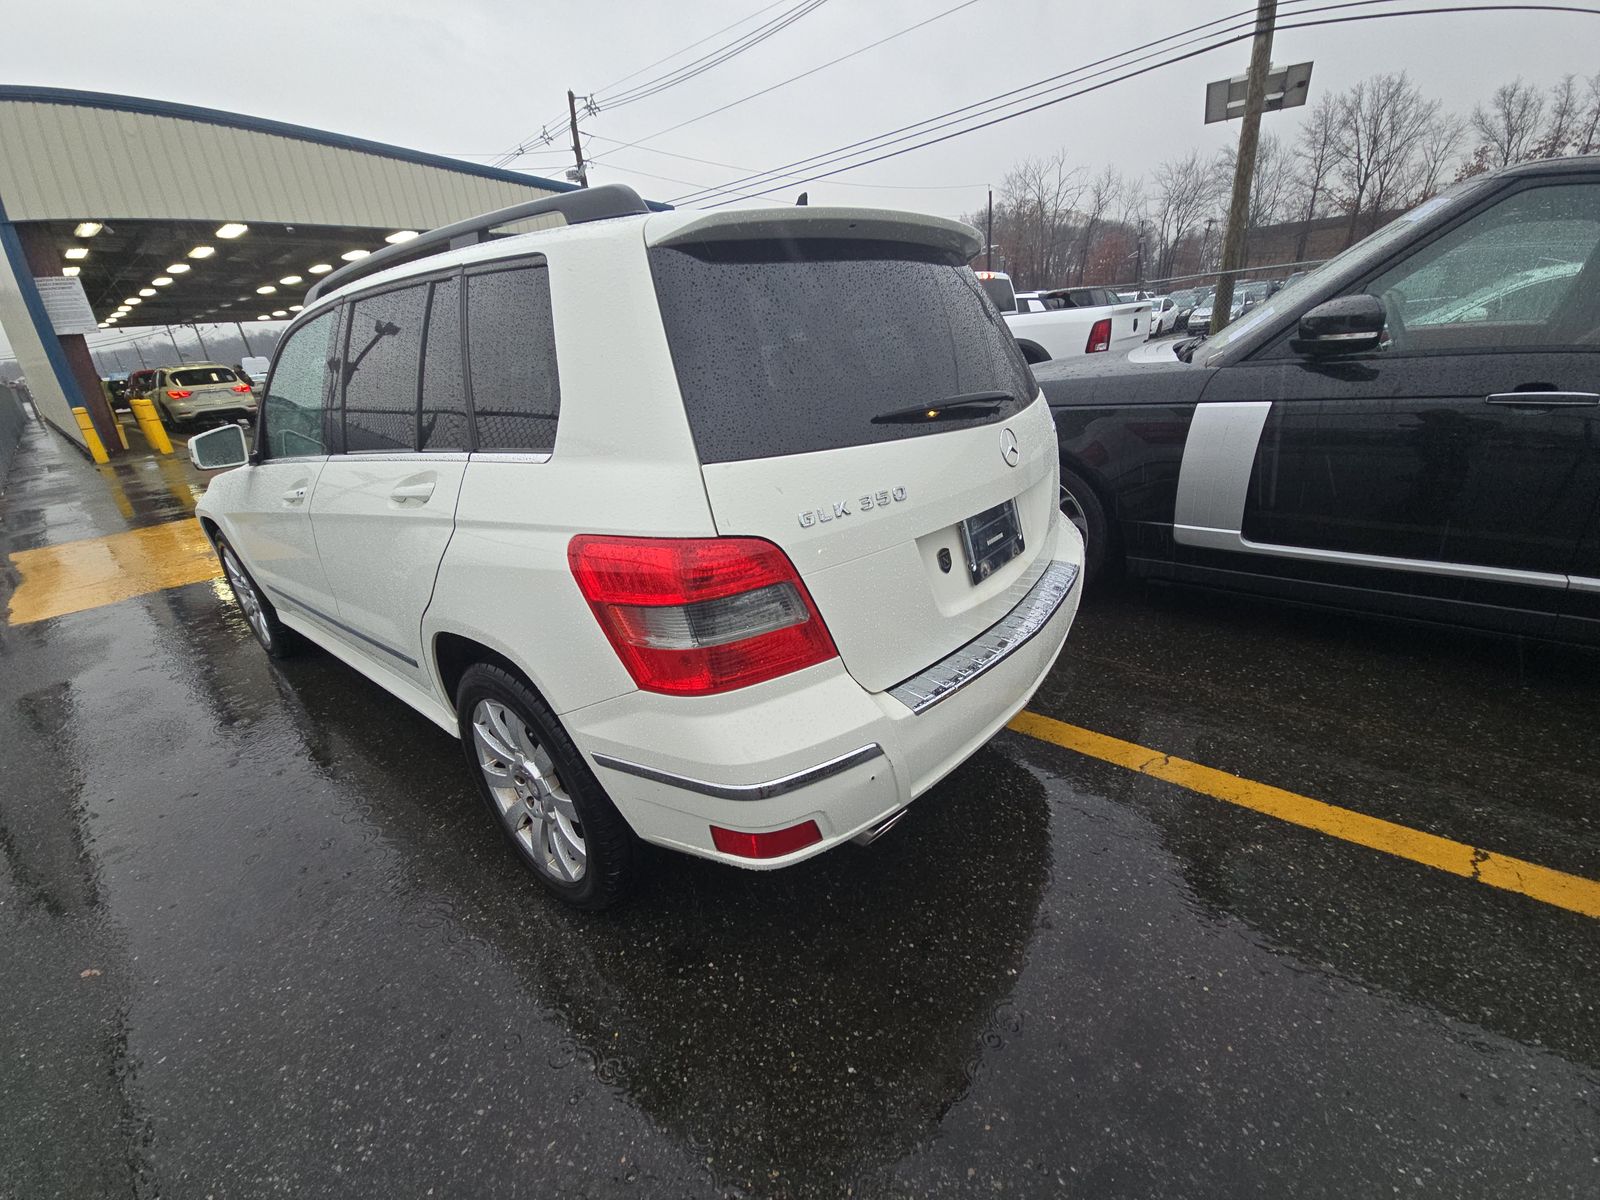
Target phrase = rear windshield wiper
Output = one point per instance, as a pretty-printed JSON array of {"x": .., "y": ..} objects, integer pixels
[{"x": 951, "y": 408}]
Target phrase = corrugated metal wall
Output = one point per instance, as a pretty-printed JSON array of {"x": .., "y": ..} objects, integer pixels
[{"x": 64, "y": 160}]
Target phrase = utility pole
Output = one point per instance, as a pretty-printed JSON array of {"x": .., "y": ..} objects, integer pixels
[
  {"x": 140, "y": 353},
  {"x": 174, "y": 338},
  {"x": 205, "y": 354},
  {"x": 582, "y": 172},
  {"x": 1244, "y": 168},
  {"x": 988, "y": 236},
  {"x": 243, "y": 337}
]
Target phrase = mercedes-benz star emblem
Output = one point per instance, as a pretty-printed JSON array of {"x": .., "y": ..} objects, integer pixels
[{"x": 1008, "y": 448}]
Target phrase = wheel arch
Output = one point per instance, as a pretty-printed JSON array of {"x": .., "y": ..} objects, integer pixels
[
  {"x": 1032, "y": 352},
  {"x": 452, "y": 653}
]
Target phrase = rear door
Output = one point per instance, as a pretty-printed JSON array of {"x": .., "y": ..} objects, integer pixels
[
  {"x": 821, "y": 377},
  {"x": 385, "y": 506}
]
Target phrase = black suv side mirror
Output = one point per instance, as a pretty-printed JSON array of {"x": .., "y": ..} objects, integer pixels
[{"x": 1346, "y": 325}]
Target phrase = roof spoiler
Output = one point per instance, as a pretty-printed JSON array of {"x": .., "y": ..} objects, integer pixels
[
  {"x": 762, "y": 224},
  {"x": 578, "y": 207}
]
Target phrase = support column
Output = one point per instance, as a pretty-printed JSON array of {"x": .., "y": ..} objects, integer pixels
[{"x": 61, "y": 375}]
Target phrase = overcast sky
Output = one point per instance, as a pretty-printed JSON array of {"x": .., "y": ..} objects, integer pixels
[{"x": 476, "y": 77}]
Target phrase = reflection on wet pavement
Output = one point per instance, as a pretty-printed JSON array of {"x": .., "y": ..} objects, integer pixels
[{"x": 320, "y": 973}]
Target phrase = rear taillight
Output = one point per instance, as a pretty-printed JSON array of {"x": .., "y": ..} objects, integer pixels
[
  {"x": 774, "y": 844},
  {"x": 1099, "y": 337},
  {"x": 179, "y": 395},
  {"x": 241, "y": 387},
  {"x": 695, "y": 616}
]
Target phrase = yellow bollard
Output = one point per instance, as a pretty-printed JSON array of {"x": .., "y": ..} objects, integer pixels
[
  {"x": 150, "y": 425},
  {"x": 96, "y": 450}
]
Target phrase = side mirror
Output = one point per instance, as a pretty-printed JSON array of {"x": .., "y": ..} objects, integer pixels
[
  {"x": 218, "y": 449},
  {"x": 1347, "y": 325}
]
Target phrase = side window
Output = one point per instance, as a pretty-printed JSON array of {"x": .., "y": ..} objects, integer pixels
[
  {"x": 1509, "y": 276},
  {"x": 382, "y": 353},
  {"x": 511, "y": 351},
  {"x": 291, "y": 413},
  {"x": 443, "y": 420}
]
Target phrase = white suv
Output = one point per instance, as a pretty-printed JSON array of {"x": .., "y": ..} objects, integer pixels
[{"x": 681, "y": 527}]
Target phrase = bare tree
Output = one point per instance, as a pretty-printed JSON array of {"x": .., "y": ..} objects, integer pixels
[
  {"x": 1381, "y": 123},
  {"x": 1040, "y": 195},
  {"x": 1586, "y": 139},
  {"x": 1313, "y": 165},
  {"x": 1562, "y": 119},
  {"x": 1101, "y": 195},
  {"x": 1508, "y": 129},
  {"x": 1436, "y": 150},
  {"x": 1184, "y": 189}
]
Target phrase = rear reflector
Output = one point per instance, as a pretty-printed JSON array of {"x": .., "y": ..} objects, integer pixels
[
  {"x": 766, "y": 845},
  {"x": 1099, "y": 337},
  {"x": 696, "y": 616}
]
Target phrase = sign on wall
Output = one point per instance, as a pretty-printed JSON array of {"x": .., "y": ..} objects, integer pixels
[{"x": 65, "y": 304}]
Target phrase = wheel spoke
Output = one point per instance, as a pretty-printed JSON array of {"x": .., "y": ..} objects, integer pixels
[
  {"x": 489, "y": 739},
  {"x": 497, "y": 773},
  {"x": 563, "y": 806},
  {"x": 566, "y": 849}
]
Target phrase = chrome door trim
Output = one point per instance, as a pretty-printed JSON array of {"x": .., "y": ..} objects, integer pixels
[
  {"x": 338, "y": 624},
  {"x": 1213, "y": 480},
  {"x": 746, "y": 791},
  {"x": 1583, "y": 583},
  {"x": 1544, "y": 399},
  {"x": 512, "y": 456},
  {"x": 399, "y": 456}
]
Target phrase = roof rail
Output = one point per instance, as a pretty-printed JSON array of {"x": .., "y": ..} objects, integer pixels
[{"x": 587, "y": 204}]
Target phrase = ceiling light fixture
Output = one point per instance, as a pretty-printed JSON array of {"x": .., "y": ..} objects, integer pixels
[
  {"x": 177, "y": 268},
  {"x": 147, "y": 291},
  {"x": 202, "y": 252},
  {"x": 264, "y": 317},
  {"x": 70, "y": 271},
  {"x": 400, "y": 235},
  {"x": 296, "y": 307},
  {"x": 77, "y": 252},
  {"x": 162, "y": 280},
  {"x": 291, "y": 280},
  {"x": 354, "y": 255},
  {"x": 131, "y": 300},
  {"x": 279, "y": 312},
  {"x": 320, "y": 268},
  {"x": 231, "y": 230},
  {"x": 87, "y": 229},
  {"x": 266, "y": 289}
]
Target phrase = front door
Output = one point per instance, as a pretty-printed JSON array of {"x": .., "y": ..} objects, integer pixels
[
  {"x": 1459, "y": 459},
  {"x": 271, "y": 526}
]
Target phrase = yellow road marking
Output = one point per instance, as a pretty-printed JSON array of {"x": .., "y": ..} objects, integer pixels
[
  {"x": 75, "y": 576},
  {"x": 1483, "y": 866}
]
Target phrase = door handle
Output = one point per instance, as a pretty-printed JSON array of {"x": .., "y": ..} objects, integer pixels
[
  {"x": 294, "y": 495},
  {"x": 1545, "y": 399},
  {"x": 412, "y": 491}
]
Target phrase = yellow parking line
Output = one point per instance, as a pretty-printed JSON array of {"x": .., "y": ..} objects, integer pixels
[
  {"x": 1482, "y": 866},
  {"x": 75, "y": 576}
]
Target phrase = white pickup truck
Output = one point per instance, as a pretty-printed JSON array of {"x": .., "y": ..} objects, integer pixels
[{"x": 1067, "y": 322}]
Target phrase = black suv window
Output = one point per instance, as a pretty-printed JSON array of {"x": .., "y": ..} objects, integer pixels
[
  {"x": 511, "y": 355},
  {"x": 382, "y": 352},
  {"x": 291, "y": 413},
  {"x": 785, "y": 347}
]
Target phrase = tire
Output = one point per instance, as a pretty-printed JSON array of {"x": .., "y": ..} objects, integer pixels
[
  {"x": 166, "y": 416},
  {"x": 276, "y": 639},
  {"x": 541, "y": 792},
  {"x": 1081, "y": 505}
]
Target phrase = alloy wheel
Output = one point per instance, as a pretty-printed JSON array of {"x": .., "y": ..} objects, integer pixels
[
  {"x": 1073, "y": 511},
  {"x": 245, "y": 593},
  {"x": 528, "y": 793}
]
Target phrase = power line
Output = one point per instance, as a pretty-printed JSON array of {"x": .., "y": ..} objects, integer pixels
[
  {"x": 799, "y": 172},
  {"x": 865, "y": 145},
  {"x": 543, "y": 134},
  {"x": 793, "y": 78}
]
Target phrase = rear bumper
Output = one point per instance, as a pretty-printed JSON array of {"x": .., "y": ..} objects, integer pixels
[
  {"x": 205, "y": 405},
  {"x": 816, "y": 745}
]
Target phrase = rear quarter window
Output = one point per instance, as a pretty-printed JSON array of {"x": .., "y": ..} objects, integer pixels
[{"x": 795, "y": 346}]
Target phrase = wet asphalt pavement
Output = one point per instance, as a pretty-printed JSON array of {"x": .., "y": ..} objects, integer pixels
[{"x": 259, "y": 939}]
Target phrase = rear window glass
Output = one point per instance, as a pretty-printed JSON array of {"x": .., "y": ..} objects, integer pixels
[
  {"x": 795, "y": 346},
  {"x": 999, "y": 289},
  {"x": 200, "y": 376},
  {"x": 511, "y": 352}
]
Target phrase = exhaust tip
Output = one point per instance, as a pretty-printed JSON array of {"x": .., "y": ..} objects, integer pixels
[{"x": 873, "y": 832}]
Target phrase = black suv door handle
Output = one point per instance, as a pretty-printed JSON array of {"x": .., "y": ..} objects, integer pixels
[{"x": 1544, "y": 399}]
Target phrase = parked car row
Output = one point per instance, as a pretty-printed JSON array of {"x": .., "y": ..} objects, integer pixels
[
  {"x": 1067, "y": 322},
  {"x": 193, "y": 390}
]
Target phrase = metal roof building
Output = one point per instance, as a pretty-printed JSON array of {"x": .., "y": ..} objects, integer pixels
[{"x": 169, "y": 213}]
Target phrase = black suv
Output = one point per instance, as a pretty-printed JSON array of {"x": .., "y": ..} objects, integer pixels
[{"x": 1413, "y": 428}]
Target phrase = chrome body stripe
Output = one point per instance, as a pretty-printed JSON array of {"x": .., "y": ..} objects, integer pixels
[
  {"x": 745, "y": 791},
  {"x": 1041, "y": 593},
  {"x": 338, "y": 624}
]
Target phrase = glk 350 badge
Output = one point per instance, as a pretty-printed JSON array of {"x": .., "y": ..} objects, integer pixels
[{"x": 841, "y": 508}]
